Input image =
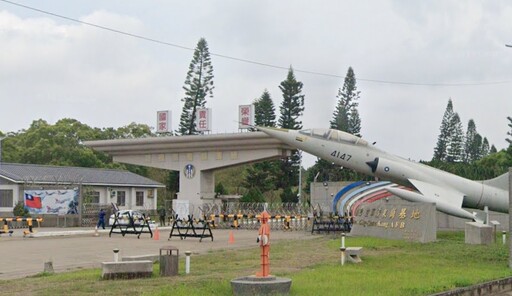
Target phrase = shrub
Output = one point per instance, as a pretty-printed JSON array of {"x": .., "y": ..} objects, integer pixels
[{"x": 20, "y": 210}]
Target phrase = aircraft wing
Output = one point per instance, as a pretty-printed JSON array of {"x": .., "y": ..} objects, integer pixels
[
  {"x": 447, "y": 201},
  {"x": 438, "y": 193}
]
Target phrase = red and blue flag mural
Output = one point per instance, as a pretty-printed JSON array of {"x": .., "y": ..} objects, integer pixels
[
  {"x": 33, "y": 201},
  {"x": 58, "y": 202}
]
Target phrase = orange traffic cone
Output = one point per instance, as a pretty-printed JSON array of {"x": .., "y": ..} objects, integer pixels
[
  {"x": 231, "y": 238},
  {"x": 156, "y": 235}
]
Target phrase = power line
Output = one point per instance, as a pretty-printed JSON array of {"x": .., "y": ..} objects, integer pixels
[{"x": 251, "y": 61}]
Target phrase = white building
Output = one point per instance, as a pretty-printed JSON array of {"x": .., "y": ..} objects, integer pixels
[{"x": 62, "y": 191}]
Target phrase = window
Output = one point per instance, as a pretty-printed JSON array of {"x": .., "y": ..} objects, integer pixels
[
  {"x": 6, "y": 198},
  {"x": 94, "y": 196},
  {"x": 139, "y": 198},
  {"x": 121, "y": 198}
]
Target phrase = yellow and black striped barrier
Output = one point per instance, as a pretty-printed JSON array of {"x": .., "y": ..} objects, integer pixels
[
  {"x": 19, "y": 219},
  {"x": 29, "y": 221},
  {"x": 250, "y": 216},
  {"x": 236, "y": 217}
]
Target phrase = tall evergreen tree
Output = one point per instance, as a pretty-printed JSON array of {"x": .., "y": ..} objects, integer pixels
[
  {"x": 492, "y": 150},
  {"x": 485, "y": 150},
  {"x": 440, "y": 151},
  {"x": 345, "y": 116},
  {"x": 293, "y": 102},
  {"x": 264, "y": 110},
  {"x": 455, "y": 148},
  {"x": 472, "y": 143},
  {"x": 509, "y": 132},
  {"x": 291, "y": 109},
  {"x": 198, "y": 85},
  {"x": 263, "y": 175}
]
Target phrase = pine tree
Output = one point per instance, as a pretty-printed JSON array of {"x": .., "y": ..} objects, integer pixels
[
  {"x": 509, "y": 132},
  {"x": 263, "y": 175},
  {"x": 456, "y": 140},
  {"x": 291, "y": 109},
  {"x": 198, "y": 85},
  {"x": 264, "y": 110},
  {"x": 293, "y": 102},
  {"x": 485, "y": 150},
  {"x": 472, "y": 144},
  {"x": 440, "y": 151},
  {"x": 492, "y": 150},
  {"x": 345, "y": 116}
]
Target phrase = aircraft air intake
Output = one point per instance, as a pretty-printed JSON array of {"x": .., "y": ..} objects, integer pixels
[{"x": 373, "y": 164}]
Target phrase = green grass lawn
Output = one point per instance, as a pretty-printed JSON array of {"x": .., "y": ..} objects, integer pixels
[{"x": 389, "y": 267}]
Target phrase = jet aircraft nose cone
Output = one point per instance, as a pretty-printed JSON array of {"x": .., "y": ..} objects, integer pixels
[{"x": 272, "y": 131}]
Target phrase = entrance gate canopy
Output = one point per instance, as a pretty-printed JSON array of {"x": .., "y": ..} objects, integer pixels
[{"x": 195, "y": 157}]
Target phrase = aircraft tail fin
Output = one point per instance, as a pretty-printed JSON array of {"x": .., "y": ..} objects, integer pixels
[
  {"x": 498, "y": 182},
  {"x": 480, "y": 217}
]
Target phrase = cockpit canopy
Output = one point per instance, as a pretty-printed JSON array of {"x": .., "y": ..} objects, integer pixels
[{"x": 334, "y": 135}]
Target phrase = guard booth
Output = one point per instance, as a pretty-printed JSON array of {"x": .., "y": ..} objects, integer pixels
[{"x": 169, "y": 257}]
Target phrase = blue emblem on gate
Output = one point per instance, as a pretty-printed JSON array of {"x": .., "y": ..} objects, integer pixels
[{"x": 189, "y": 171}]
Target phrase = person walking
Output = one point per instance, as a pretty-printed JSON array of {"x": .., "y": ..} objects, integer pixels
[
  {"x": 162, "y": 214},
  {"x": 101, "y": 219}
]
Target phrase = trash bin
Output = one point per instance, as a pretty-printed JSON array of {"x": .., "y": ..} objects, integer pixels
[{"x": 169, "y": 261}]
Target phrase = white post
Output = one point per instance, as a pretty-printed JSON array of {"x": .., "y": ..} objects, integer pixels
[
  {"x": 342, "y": 249},
  {"x": 504, "y": 237},
  {"x": 342, "y": 256},
  {"x": 187, "y": 262},
  {"x": 116, "y": 255}
]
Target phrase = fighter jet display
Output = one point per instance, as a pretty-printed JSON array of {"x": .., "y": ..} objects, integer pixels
[{"x": 448, "y": 191}]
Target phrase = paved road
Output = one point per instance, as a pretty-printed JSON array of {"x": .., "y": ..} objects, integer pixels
[{"x": 72, "y": 248}]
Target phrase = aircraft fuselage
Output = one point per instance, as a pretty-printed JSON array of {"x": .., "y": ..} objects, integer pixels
[{"x": 349, "y": 151}]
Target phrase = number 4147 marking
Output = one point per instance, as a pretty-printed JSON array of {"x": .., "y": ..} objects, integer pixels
[{"x": 341, "y": 155}]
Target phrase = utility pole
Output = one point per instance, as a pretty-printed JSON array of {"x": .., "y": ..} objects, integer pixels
[{"x": 299, "y": 193}]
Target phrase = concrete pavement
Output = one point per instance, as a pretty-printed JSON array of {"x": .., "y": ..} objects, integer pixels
[{"x": 73, "y": 248}]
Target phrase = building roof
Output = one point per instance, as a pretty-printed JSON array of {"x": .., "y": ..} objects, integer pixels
[{"x": 44, "y": 174}]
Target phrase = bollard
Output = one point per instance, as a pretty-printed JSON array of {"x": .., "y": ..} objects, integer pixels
[
  {"x": 504, "y": 237},
  {"x": 187, "y": 262},
  {"x": 48, "y": 267},
  {"x": 342, "y": 249},
  {"x": 116, "y": 255},
  {"x": 342, "y": 255}
]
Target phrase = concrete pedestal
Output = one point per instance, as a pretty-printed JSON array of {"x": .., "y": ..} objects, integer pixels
[
  {"x": 126, "y": 269},
  {"x": 478, "y": 234},
  {"x": 253, "y": 285}
]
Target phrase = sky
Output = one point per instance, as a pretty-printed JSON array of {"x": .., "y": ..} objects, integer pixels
[{"x": 409, "y": 59}]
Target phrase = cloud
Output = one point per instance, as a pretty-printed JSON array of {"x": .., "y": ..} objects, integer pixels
[{"x": 51, "y": 68}]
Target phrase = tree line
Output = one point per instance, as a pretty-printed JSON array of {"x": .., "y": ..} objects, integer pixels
[{"x": 467, "y": 154}]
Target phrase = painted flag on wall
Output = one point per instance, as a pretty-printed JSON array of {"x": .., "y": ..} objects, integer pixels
[{"x": 33, "y": 201}]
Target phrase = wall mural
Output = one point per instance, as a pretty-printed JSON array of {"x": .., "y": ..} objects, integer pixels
[{"x": 57, "y": 202}]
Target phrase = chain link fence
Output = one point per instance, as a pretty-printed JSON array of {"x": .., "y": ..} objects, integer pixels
[{"x": 90, "y": 213}]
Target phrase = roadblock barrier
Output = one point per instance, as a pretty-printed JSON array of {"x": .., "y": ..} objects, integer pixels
[{"x": 29, "y": 222}]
